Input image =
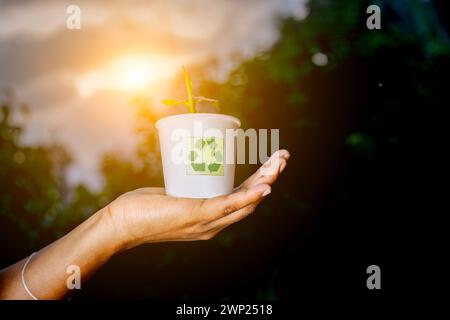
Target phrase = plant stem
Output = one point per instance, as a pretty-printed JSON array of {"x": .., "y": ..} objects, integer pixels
[{"x": 191, "y": 102}]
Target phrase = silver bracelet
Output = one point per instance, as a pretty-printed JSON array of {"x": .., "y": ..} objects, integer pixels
[{"x": 23, "y": 277}]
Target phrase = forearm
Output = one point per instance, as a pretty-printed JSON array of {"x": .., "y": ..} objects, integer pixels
[{"x": 88, "y": 246}]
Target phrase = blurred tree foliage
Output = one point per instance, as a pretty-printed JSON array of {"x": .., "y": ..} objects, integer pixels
[
  {"x": 344, "y": 123},
  {"x": 31, "y": 195}
]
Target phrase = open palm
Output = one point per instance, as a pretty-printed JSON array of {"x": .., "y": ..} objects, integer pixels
[{"x": 148, "y": 215}]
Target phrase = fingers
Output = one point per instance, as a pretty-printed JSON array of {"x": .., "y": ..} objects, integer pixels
[
  {"x": 269, "y": 172},
  {"x": 265, "y": 176},
  {"x": 218, "y": 207},
  {"x": 232, "y": 218}
]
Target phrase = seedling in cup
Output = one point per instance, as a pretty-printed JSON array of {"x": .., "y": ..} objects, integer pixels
[
  {"x": 205, "y": 172},
  {"x": 191, "y": 101}
]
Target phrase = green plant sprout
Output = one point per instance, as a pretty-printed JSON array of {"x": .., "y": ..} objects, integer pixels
[{"x": 191, "y": 101}]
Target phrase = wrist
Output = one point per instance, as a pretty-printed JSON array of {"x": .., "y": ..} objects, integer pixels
[{"x": 113, "y": 238}]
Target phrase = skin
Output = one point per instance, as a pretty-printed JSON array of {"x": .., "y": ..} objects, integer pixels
[{"x": 141, "y": 216}]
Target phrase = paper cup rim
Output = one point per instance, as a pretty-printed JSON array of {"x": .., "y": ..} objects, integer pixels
[{"x": 201, "y": 115}]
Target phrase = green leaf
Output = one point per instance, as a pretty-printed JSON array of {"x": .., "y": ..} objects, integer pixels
[
  {"x": 192, "y": 156},
  {"x": 200, "y": 144},
  {"x": 198, "y": 166},
  {"x": 212, "y": 143},
  {"x": 213, "y": 101},
  {"x": 214, "y": 167}
]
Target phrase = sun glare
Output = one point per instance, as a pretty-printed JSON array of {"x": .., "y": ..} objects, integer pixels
[
  {"x": 136, "y": 79},
  {"x": 128, "y": 73}
]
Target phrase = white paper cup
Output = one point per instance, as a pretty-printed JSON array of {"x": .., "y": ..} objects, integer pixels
[{"x": 196, "y": 149}]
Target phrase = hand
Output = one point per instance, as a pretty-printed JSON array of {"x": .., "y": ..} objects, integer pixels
[
  {"x": 143, "y": 215},
  {"x": 148, "y": 215}
]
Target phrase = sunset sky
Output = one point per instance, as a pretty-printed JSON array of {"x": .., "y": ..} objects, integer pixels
[{"x": 78, "y": 83}]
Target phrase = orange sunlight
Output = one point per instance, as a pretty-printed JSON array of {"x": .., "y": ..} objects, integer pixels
[{"x": 131, "y": 73}]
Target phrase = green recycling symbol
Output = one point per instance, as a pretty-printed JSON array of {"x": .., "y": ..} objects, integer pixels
[{"x": 206, "y": 156}]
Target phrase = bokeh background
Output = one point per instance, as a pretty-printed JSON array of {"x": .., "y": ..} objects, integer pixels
[{"x": 78, "y": 109}]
